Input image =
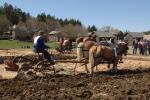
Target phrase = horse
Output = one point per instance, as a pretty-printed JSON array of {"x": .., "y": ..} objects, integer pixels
[
  {"x": 83, "y": 46},
  {"x": 99, "y": 53},
  {"x": 79, "y": 39},
  {"x": 83, "y": 39}
]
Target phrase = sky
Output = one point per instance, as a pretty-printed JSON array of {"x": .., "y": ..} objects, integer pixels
[{"x": 131, "y": 15}]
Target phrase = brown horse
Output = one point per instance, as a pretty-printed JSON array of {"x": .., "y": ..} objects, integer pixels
[
  {"x": 79, "y": 39},
  {"x": 83, "y": 46},
  {"x": 83, "y": 39},
  {"x": 99, "y": 53}
]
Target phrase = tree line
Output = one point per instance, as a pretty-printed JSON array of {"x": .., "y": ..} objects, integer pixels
[{"x": 27, "y": 24}]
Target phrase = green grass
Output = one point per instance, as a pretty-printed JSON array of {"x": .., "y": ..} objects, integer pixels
[{"x": 13, "y": 44}]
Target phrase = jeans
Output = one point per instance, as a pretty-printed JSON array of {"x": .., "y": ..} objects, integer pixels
[
  {"x": 46, "y": 54},
  {"x": 134, "y": 50}
]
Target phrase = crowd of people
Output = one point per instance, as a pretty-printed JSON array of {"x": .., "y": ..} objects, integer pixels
[{"x": 143, "y": 46}]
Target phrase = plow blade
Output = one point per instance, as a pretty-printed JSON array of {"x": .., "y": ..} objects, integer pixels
[{"x": 10, "y": 65}]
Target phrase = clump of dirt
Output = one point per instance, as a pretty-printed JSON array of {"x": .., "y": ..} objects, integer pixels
[{"x": 124, "y": 84}]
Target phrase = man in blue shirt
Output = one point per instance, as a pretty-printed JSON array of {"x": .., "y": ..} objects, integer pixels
[{"x": 39, "y": 46}]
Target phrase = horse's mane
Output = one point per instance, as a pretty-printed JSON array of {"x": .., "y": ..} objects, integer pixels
[{"x": 79, "y": 39}]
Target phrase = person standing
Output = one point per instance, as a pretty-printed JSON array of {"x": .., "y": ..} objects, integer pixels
[
  {"x": 113, "y": 45},
  {"x": 145, "y": 47},
  {"x": 148, "y": 45},
  {"x": 61, "y": 41},
  {"x": 141, "y": 47},
  {"x": 134, "y": 46}
]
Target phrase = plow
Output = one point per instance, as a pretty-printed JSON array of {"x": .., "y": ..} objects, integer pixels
[
  {"x": 37, "y": 64},
  {"x": 42, "y": 65}
]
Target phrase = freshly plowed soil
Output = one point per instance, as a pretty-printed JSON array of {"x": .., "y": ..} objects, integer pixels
[{"x": 124, "y": 84}]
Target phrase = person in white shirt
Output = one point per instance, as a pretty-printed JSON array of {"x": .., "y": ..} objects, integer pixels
[
  {"x": 113, "y": 45},
  {"x": 40, "y": 46}
]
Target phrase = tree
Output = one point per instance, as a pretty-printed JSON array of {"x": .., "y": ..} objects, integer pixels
[
  {"x": 14, "y": 18},
  {"x": 147, "y": 33},
  {"x": 72, "y": 31},
  {"x": 31, "y": 24},
  {"x": 21, "y": 31},
  {"x": 13, "y": 14},
  {"x": 92, "y": 28},
  {"x": 50, "y": 17},
  {"x": 109, "y": 29},
  {"x": 52, "y": 25},
  {"x": 41, "y": 17},
  {"x": 4, "y": 24},
  {"x": 23, "y": 17}
]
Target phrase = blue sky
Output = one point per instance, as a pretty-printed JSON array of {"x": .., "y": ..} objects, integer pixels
[{"x": 132, "y": 15}]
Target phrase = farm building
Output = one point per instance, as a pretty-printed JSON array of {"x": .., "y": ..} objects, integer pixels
[
  {"x": 17, "y": 33},
  {"x": 53, "y": 36},
  {"x": 103, "y": 35},
  {"x": 147, "y": 37},
  {"x": 134, "y": 35},
  {"x": 5, "y": 35}
]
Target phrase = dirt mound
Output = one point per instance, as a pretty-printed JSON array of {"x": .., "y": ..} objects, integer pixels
[{"x": 125, "y": 84}]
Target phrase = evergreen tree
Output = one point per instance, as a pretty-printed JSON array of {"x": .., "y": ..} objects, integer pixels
[
  {"x": 41, "y": 17},
  {"x": 92, "y": 28}
]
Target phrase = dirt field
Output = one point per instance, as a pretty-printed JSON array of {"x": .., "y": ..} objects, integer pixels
[{"x": 131, "y": 81}]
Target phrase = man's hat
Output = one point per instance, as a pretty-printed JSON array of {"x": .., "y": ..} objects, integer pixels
[{"x": 40, "y": 32}]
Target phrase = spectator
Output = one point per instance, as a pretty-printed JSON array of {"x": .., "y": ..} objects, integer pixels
[
  {"x": 61, "y": 41},
  {"x": 65, "y": 44},
  {"x": 134, "y": 46},
  {"x": 141, "y": 47},
  {"x": 69, "y": 44},
  {"x": 145, "y": 47},
  {"x": 113, "y": 45},
  {"x": 148, "y": 45}
]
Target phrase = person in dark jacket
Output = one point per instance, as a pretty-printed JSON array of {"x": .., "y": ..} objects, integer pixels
[
  {"x": 40, "y": 47},
  {"x": 134, "y": 46},
  {"x": 148, "y": 44}
]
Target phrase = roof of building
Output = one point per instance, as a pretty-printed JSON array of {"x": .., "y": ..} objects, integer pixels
[
  {"x": 136, "y": 34},
  {"x": 53, "y": 32},
  {"x": 104, "y": 34}
]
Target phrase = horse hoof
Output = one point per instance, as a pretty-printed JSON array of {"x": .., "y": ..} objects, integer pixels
[
  {"x": 89, "y": 74},
  {"x": 113, "y": 71}
]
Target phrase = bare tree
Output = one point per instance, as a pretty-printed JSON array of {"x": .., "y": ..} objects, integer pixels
[
  {"x": 72, "y": 31},
  {"x": 109, "y": 29}
]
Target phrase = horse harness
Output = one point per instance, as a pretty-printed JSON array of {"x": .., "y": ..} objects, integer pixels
[
  {"x": 101, "y": 56},
  {"x": 83, "y": 49}
]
